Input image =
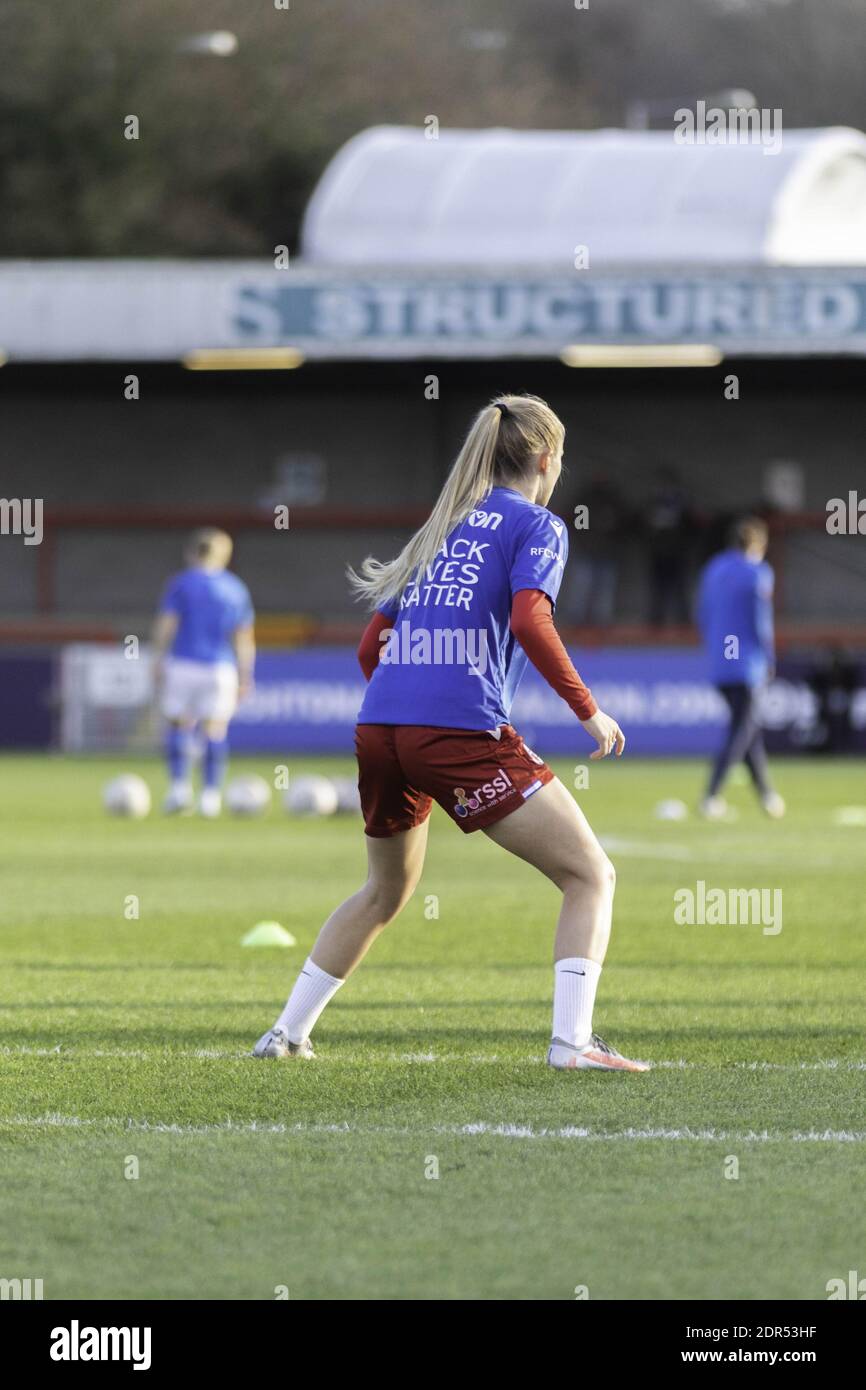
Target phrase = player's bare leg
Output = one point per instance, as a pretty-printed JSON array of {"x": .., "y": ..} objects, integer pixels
[
  {"x": 551, "y": 832},
  {"x": 394, "y": 868}
]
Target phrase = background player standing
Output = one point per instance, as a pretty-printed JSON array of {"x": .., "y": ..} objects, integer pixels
[
  {"x": 204, "y": 652},
  {"x": 735, "y": 615}
]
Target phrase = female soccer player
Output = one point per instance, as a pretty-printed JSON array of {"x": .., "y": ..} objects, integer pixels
[
  {"x": 460, "y": 609},
  {"x": 204, "y": 653}
]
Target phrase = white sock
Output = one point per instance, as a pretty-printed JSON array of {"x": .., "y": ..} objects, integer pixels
[
  {"x": 313, "y": 988},
  {"x": 575, "y": 984}
]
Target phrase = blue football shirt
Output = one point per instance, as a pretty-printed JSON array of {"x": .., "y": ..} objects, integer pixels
[
  {"x": 210, "y": 606},
  {"x": 735, "y": 614},
  {"x": 451, "y": 659}
]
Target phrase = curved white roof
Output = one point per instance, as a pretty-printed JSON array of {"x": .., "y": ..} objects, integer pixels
[{"x": 485, "y": 198}]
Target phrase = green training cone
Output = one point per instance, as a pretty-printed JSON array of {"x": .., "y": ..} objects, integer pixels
[{"x": 268, "y": 934}]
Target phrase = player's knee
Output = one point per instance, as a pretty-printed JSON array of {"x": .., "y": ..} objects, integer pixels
[
  {"x": 597, "y": 873},
  {"x": 388, "y": 899},
  {"x": 609, "y": 875},
  {"x": 602, "y": 874}
]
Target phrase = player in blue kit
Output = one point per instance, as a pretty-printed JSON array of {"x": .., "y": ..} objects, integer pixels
[
  {"x": 204, "y": 653},
  {"x": 457, "y": 615},
  {"x": 735, "y": 614}
]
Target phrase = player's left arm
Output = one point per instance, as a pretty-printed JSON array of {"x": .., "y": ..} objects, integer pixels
[
  {"x": 244, "y": 645},
  {"x": 532, "y": 625},
  {"x": 702, "y": 604},
  {"x": 764, "y": 625},
  {"x": 536, "y": 575}
]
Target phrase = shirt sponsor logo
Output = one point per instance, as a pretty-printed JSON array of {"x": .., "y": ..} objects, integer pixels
[{"x": 489, "y": 520}]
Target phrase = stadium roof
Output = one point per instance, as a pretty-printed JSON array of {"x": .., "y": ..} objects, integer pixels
[{"x": 486, "y": 198}]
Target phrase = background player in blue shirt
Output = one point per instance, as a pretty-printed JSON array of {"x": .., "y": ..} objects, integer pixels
[
  {"x": 204, "y": 652},
  {"x": 735, "y": 614}
]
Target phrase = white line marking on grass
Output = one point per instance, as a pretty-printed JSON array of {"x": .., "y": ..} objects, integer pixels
[
  {"x": 827, "y": 1136},
  {"x": 481, "y": 1127},
  {"x": 649, "y": 849},
  {"x": 830, "y": 1064},
  {"x": 22, "y": 1050},
  {"x": 167, "y": 1052},
  {"x": 60, "y": 1051},
  {"x": 56, "y": 1121}
]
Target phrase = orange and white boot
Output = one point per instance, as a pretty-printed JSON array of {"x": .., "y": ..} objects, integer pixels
[{"x": 596, "y": 1055}]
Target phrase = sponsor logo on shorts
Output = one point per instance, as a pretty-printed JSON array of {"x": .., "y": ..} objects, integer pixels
[{"x": 488, "y": 794}]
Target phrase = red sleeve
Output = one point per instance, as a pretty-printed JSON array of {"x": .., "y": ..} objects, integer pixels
[
  {"x": 370, "y": 645},
  {"x": 532, "y": 625}
]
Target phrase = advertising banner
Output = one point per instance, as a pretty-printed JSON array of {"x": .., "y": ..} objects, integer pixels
[{"x": 306, "y": 701}]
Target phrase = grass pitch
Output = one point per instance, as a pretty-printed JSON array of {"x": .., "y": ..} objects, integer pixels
[{"x": 124, "y": 1046}]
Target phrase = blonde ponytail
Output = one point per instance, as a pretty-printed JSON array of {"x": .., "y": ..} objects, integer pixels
[{"x": 503, "y": 439}]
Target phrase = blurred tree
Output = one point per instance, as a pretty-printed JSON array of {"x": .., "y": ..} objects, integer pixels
[{"x": 230, "y": 148}]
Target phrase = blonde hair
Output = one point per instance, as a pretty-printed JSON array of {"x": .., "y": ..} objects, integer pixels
[
  {"x": 749, "y": 531},
  {"x": 503, "y": 440},
  {"x": 209, "y": 546}
]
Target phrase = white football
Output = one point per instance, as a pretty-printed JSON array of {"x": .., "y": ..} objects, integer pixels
[
  {"x": 126, "y": 795},
  {"x": 671, "y": 810},
  {"x": 248, "y": 795},
  {"x": 311, "y": 796},
  {"x": 348, "y": 796}
]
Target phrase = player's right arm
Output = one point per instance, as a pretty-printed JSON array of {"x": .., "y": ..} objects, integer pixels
[
  {"x": 164, "y": 632},
  {"x": 370, "y": 646}
]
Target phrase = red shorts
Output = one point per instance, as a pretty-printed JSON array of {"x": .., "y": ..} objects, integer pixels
[{"x": 476, "y": 777}]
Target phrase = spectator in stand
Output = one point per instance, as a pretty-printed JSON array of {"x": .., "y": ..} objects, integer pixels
[
  {"x": 835, "y": 684},
  {"x": 593, "y": 571},
  {"x": 669, "y": 527}
]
